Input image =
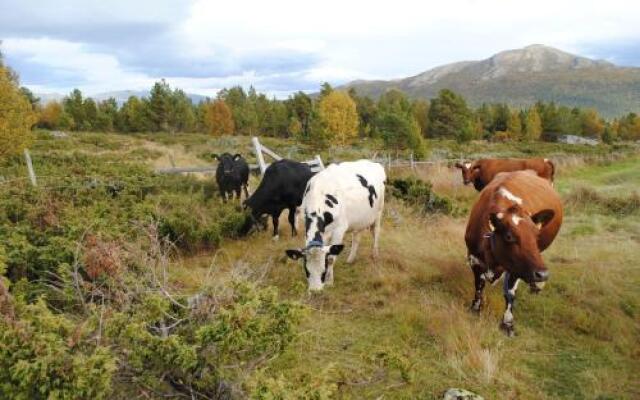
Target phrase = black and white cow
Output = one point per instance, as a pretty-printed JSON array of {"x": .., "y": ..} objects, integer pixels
[
  {"x": 344, "y": 197},
  {"x": 232, "y": 174},
  {"x": 281, "y": 188}
]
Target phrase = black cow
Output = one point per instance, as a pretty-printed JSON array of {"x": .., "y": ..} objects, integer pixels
[
  {"x": 282, "y": 187},
  {"x": 232, "y": 174}
]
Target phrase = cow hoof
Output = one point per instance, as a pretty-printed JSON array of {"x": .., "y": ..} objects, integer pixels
[
  {"x": 475, "y": 308},
  {"x": 507, "y": 329}
]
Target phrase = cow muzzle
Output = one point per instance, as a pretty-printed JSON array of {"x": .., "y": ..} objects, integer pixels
[
  {"x": 539, "y": 280},
  {"x": 315, "y": 287}
]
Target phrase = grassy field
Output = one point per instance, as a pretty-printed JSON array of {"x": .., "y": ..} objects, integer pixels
[{"x": 400, "y": 327}]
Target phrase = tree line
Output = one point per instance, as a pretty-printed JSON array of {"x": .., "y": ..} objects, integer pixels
[{"x": 330, "y": 117}]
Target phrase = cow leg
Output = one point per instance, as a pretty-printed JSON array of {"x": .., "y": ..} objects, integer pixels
[
  {"x": 246, "y": 190},
  {"x": 238, "y": 191},
  {"x": 375, "y": 231},
  {"x": 335, "y": 237},
  {"x": 275, "y": 218},
  {"x": 223, "y": 194},
  {"x": 510, "y": 286},
  {"x": 355, "y": 241},
  {"x": 479, "y": 282},
  {"x": 292, "y": 221}
]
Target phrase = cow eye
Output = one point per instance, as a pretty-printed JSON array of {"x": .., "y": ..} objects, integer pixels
[{"x": 509, "y": 237}]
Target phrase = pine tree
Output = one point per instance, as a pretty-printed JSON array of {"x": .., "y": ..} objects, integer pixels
[{"x": 449, "y": 117}]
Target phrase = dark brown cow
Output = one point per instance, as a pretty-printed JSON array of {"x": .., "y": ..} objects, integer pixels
[
  {"x": 516, "y": 217},
  {"x": 482, "y": 171}
]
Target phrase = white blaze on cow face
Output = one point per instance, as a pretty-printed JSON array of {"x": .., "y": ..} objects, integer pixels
[
  {"x": 504, "y": 192},
  {"x": 318, "y": 263},
  {"x": 467, "y": 165},
  {"x": 516, "y": 219}
]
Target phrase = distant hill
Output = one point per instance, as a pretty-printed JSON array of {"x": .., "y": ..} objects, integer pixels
[
  {"x": 121, "y": 96},
  {"x": 523, "y": 76}
]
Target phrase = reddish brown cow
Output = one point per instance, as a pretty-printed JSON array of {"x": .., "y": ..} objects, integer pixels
[
  {"x": 482, "y": 171},
  {"x": 516, "y": 217}
]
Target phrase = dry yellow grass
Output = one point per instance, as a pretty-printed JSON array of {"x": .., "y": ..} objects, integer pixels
[{"x": 399, "y": 327}]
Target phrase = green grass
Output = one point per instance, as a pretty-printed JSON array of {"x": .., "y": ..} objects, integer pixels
[
  {"x": 577, "y": 339},
  {"x": 399, "y": 328}
]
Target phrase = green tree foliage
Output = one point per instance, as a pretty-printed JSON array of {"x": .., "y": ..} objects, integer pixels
[
  {"x": 449, "y": 117},
  {"x": 339, "y": 115},
  {"x": 325, "y": 89},
  {"x": 160, "y": 106},
  {"x": 421, "y": 113},
  {"x": 16, "y": 115},
  {"x": 367, "y": 111},
  {"x": 182, "y": 117},
  {"x": 242, "y": 106},
  {"x": 134, "y": 116},
  {"x": 74, "y": 107},
  {"x": 300, "y": 106},
  {"x": 401, "y": 131},
  {"x": 107, "y": 115}
]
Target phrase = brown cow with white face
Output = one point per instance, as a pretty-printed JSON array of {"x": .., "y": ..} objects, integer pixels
[
  {"x": 482, "y": 171},
  {"x": 516, "y": 217}
]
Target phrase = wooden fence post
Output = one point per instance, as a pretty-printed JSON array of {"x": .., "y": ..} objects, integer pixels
[
  {"x": 257, "y": 147},
  {"x": 32, "y": 174},
  {"x": 319, "y": 161}
]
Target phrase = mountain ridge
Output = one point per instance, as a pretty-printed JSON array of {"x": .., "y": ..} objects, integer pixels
[
  {"x": 520, "y": 77},
  {"x": 121, "y": 96}
]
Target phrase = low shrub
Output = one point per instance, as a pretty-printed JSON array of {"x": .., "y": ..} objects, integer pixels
[
  {"x": 193, "y": 225},
  {"x": 420, "y": 193},
  {"x": 586, "y": 199},
  {"x": 47, "y": 355}
]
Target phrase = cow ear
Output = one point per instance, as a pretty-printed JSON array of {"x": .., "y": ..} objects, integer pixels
[
  {"x": 215, "y": 157},
  {"x": 475, "y": 166},
  {"x": 294, "y": 254},
  {"x": 237, "y": 156},
  {"x": 543, "y": 217},
  {"x": 335, "y": 249},
  {"x": 458, "y": 165}
]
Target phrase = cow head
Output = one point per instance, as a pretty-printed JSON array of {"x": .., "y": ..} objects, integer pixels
[
  {"x": 316, "y": 260},
  {"x": 514, "y": 243},
  {"x": 227, "y": 162},
  {"x": 470, "y": 171}
]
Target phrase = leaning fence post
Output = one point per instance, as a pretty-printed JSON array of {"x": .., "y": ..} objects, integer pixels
[
  {"x": 319, "y": 161},
  {"x": 32, "y": 174},
  {"x": 413, "y": 166},
  {"x": 258, "y": 149}
]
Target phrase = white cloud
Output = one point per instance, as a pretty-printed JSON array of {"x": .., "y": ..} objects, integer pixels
[{"x": 285, "y": 45}]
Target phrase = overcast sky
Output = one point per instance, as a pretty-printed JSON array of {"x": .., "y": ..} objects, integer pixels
[{"x": 284, "y": 46}]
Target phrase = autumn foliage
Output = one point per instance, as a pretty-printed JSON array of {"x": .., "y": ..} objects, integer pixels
[
  {"x": 16, "y": 116},
  {"x": 340, "y": 116},
  {"x": 219, "y": 118}
]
